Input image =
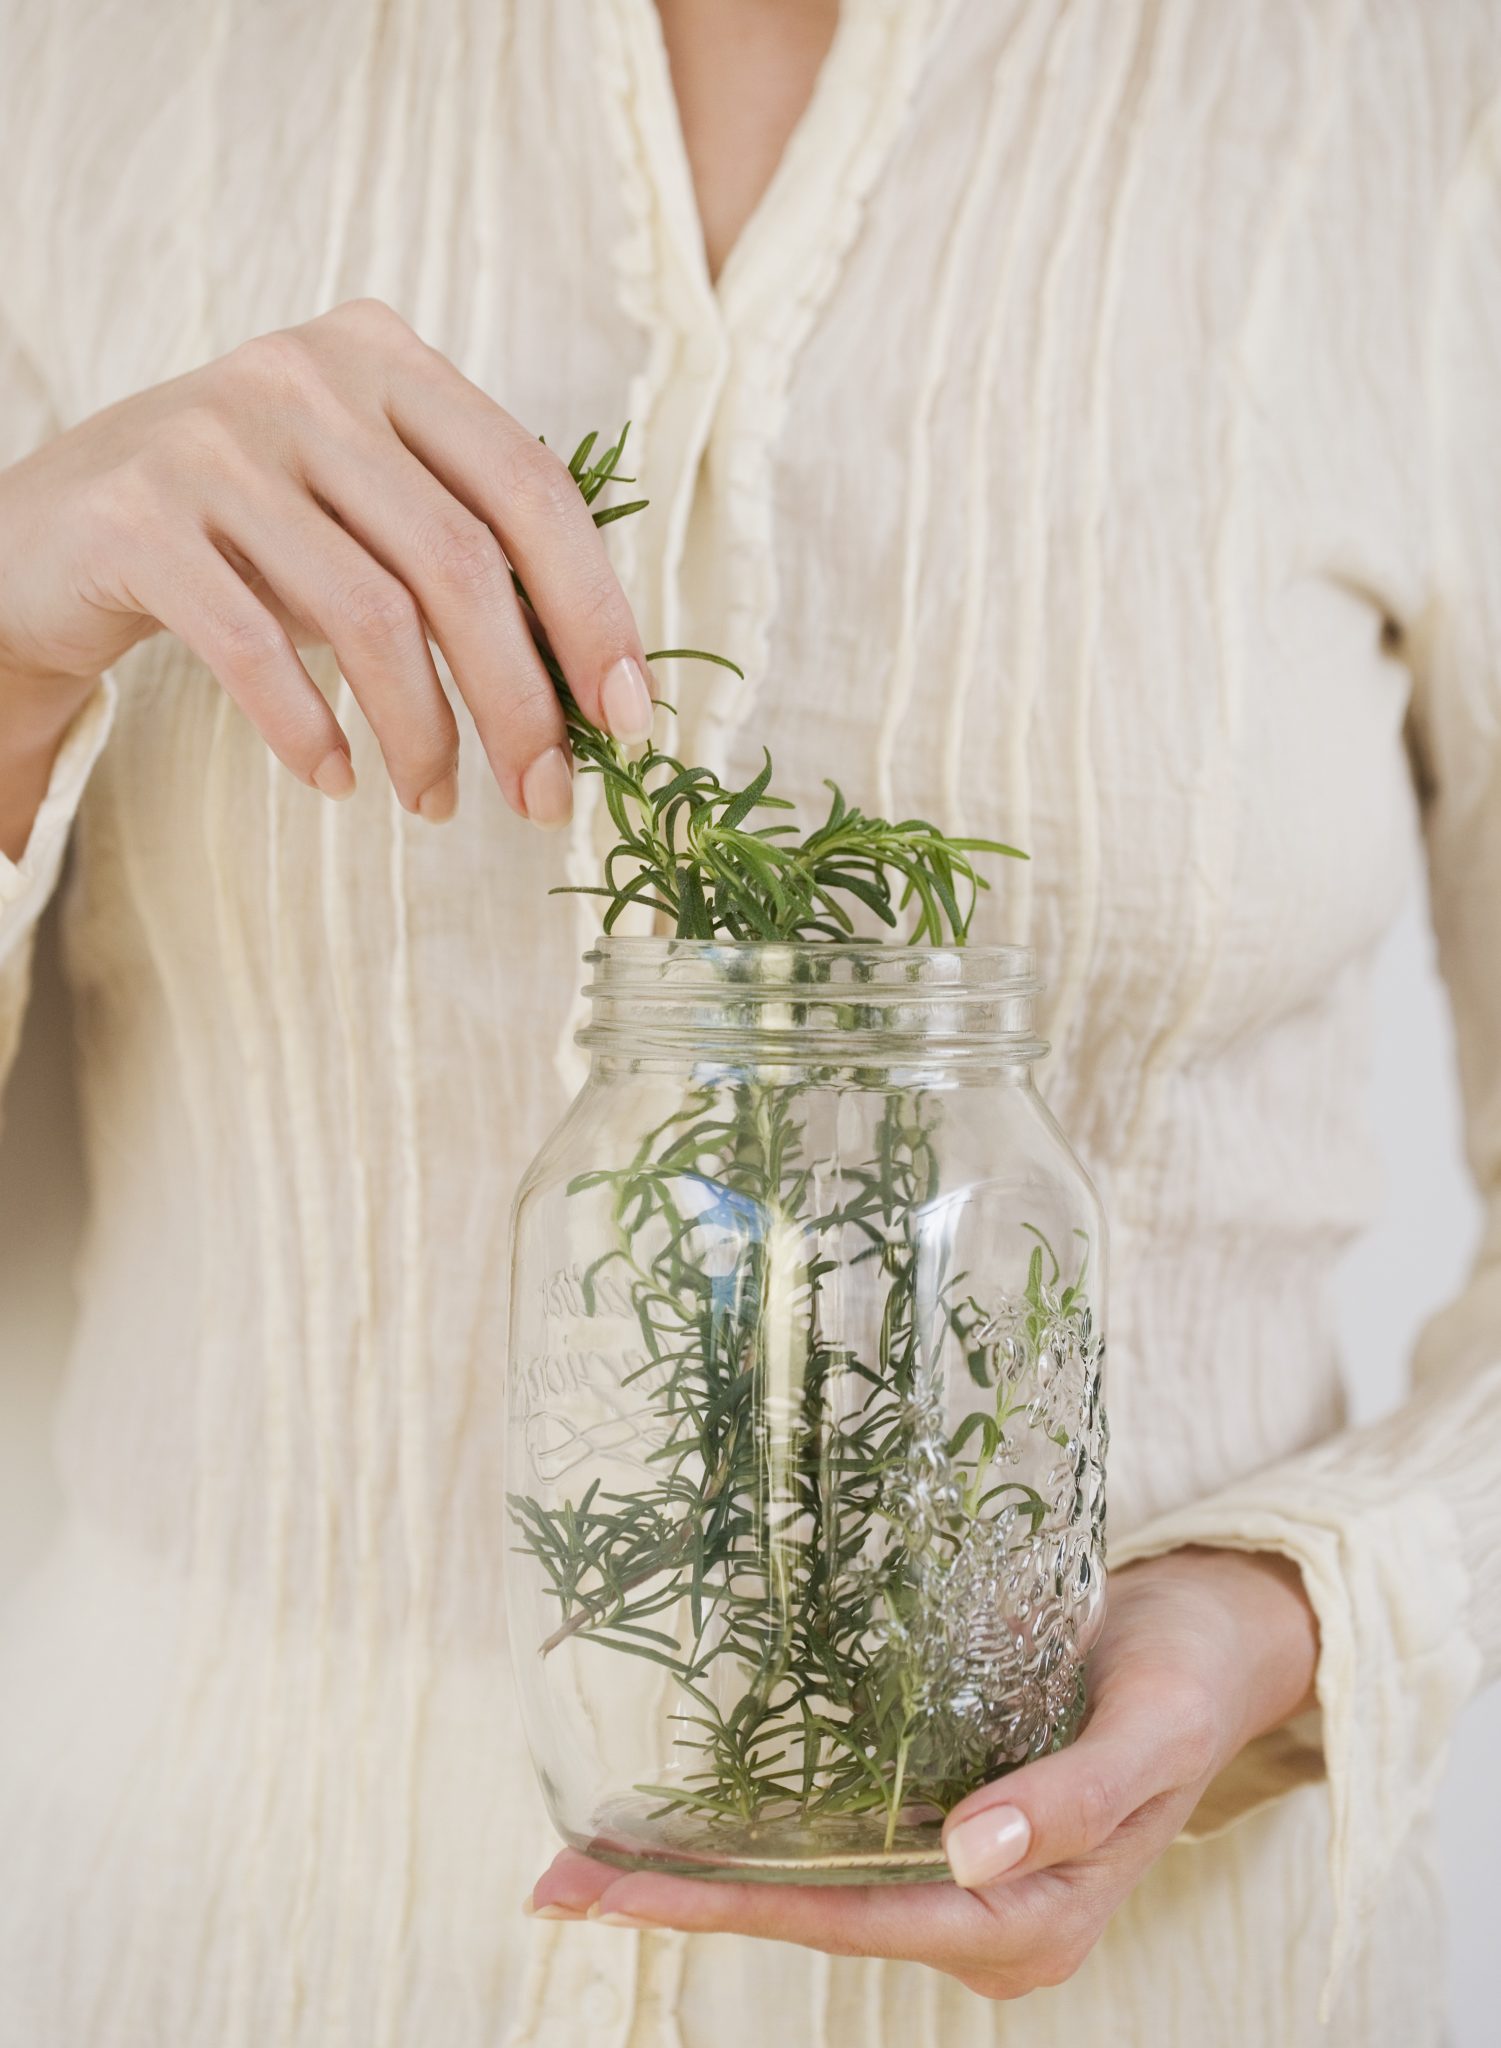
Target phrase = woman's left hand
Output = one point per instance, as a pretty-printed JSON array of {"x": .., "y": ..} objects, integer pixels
[{"x": 1203, "y": 1651}]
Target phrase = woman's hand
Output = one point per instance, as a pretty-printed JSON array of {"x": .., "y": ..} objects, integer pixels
[
  {"x": 338, "y": 482},
  {"x": 1202, "y": 1652}
]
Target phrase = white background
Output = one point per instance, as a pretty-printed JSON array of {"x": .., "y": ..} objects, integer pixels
[{"x": 1412, "y": 1260}]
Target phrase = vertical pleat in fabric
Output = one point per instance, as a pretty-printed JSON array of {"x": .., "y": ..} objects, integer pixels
[
  {"x": 493, "y": 70},
  {"x": 660, "y": 1963},
  {"x": 203, "y": 1608},
  {"x": 979, "y": 473},
  {"x": 1030, "y": 650},
  {"x": 359, "y": 1391},
  {"x": 1213, "y": 865},
  {"x": 954, "y": 269},
  {"x": 543, "y": 1941},
  {"x": 413, "y": 1454},
  {"x": 399, "y": 168},
  {"x": 238, "y": 945},
  {"x": 337, "y": 1251},
  {"x": 1123, "y": 111},
  {"x": 203, "y": 1612},
  {"x": 310, "y": 1171},
  {"x": 436, "y": 294},
  {"x": 928, "y": 1993},
  {"x": 231, "y": 870},
  {"x": 873, "y": 1987},
  {"x": 351, "y": 175},
  {"x": 820, "y": 1970}
]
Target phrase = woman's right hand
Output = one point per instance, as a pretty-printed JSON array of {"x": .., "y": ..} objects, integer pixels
[{"x": 338, "y": 482}]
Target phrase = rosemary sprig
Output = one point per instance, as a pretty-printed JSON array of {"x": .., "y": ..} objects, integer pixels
[
  {"x": 791, "y": 1559},
  {"x": 708, "y": 859},
  {"x": 813, "y": 1552}
]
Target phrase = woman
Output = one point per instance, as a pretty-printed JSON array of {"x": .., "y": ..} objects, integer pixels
[{"x": 1086, "y": 428}]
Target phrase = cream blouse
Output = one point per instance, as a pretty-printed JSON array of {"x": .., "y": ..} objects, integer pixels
[{"x": 1094, "y": 439}]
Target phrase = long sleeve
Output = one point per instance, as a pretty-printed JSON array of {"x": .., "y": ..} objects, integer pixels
[
  {"x": 27, "y": 883},
  {"x": 1397, "y": 1527}
]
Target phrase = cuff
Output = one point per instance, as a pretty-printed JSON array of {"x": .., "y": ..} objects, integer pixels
[
  {"x": 27, "y": 883},
  {"x": 1386, "y": 1578}
]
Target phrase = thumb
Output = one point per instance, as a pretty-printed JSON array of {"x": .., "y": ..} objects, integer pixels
[{"x": 1137, "y": 1743}]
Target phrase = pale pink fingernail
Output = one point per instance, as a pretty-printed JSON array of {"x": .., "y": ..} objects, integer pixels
[
  {"x": 627, "y": 703},
  {"x": 620, "y": 1920},
  {"x": 334, "y": 775},
  {"x": 550, "y": 1912},
  {"x": 987, "y": 1845},
  {"x": 547, "y": 790},
  {"x": 438, "y": 804}
]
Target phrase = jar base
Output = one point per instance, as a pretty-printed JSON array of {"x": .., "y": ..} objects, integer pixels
[{"x": 841, "y": 1849}]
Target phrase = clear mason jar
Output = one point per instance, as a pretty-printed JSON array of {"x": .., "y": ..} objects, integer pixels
[{"x": 806, "y": 1442}]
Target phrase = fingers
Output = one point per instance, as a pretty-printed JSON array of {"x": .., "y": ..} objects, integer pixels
[
  {"x": 1142, "y": 1741},
  {"x": 1041, "y": 1859},
  {"x": 569, "y": 1886},
  {"x": 342, "y": 476},
  {"x": 525, "y": 494},
  {"x": 1036, "y": 1933},
  {"x": 211, "y": 610},
  {"x": 933, "y": 1923},
  {"x": 372, "y": 622},
  {"x": 453, "y": 566}
]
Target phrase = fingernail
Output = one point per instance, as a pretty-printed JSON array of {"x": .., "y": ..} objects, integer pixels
[
  {"x": 547, "y": 789},
  {"x": 334, "y": 775},
  {"x": 549, "y": 1912},
  {"x": 627, "y": 703},
  {"x": 620, "y": 1920},
  {"x": 438, "y": 804},
  {"x": 987, "y": 1845}
]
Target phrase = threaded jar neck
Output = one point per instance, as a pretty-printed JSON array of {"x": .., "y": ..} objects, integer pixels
[{"x": 811, "y": 1002}]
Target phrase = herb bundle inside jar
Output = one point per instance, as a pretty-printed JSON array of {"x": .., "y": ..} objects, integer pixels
[{"x": 806, "y": 1440}]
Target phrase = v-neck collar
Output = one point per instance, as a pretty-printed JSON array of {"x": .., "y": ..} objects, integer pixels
[{"x": 839, "y": 140}]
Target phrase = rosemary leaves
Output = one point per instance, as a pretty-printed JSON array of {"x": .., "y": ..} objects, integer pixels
[
  {"x": 711, "y": 860},
  {"x": 806, "y": 1435}
]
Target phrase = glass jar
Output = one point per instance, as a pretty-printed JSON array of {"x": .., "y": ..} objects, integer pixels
[{"x": 806, "y": 1443}]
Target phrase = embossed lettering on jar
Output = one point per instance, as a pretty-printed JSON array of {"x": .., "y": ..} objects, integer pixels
[{"x": 806, "y": 1444}]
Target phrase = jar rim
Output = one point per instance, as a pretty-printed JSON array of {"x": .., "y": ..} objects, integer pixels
[
  {"x": 1006, "y": 966},
  {"x": 807, "y": 999}
]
